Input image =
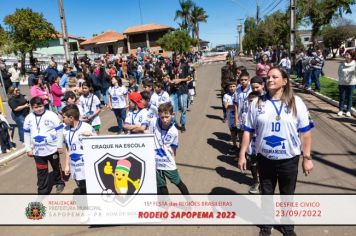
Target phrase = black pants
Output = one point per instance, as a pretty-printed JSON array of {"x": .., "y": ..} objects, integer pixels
[
  {"x": 5, "y": 142},
  {"x": 42, "y": 172},
  {"x": 82, "y": 188},
  {"x": 283, "y": 171}
]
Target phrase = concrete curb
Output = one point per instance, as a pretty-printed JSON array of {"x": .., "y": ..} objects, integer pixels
[
  {"x": 323, "y": 97},
  {"x": 4, "y": 160}
]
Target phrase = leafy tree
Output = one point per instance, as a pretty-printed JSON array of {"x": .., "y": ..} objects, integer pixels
[
  {"x": 27, "y": 30},
  {"x": 321, "y": 12},
  {"x": 3, "y": 38},
  {"x": 250, "y": 41},
  {"x": 333, "y": 37},
  {"x": 184, "y": 13},
  {"x": 272, "y": 31},
  {"x": 198, "y": 15},
  {"x": 177, "y": 41}
]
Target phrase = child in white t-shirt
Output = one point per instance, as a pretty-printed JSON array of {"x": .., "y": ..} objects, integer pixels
[
  {"x": 166, "y": 140},
  {"x": 159, "y": 96},
  {"x": 90, "y": 104},
  {"x": 136, "y": 117},
  {"x": 118, "y": 101},
  {"x": 73, "y": 138},
  {"x": 230, "y": 113}
]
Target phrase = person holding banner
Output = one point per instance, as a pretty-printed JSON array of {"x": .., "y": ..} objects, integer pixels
[
  {"x": 281, "y": 123},
  {"x": 137, "y": 116},
  {"x": 73, "y": 138},
  {"x": 166, "y": 140}
]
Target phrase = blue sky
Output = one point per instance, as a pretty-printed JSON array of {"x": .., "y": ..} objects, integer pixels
[{"x": 86, "y": 17}]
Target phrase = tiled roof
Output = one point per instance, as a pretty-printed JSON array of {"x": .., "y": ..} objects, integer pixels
[
  {"x": 109, "y": 36},
  {"x": 59, "y": 35},
  {"x": 145, "y": 28}
]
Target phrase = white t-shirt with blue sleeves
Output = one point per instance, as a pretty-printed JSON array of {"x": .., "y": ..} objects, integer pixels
[
  {"x": 277, "y": 138},
  {"x": 152, "y": 113},
  {"x": 166, "y": 140},
  {"x": 240, "y": 99},
  {"x": 138, "y": 117},
  {"x": 158, "y": 99},
  {"x": 43, "y": 133},
  {"x": 73, "y": 139}
]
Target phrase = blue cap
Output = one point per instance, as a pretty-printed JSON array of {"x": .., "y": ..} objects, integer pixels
[
  {"x": 274, "y": 141},
  {"x": 75, "y": 157},
  {"x": 39, "y": 138}
]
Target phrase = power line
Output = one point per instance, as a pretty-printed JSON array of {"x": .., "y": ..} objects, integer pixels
[
  {"x": 269, "y": 6},
  {"x": 273, "y": 9}
]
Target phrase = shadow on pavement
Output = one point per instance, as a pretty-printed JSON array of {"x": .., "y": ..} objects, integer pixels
[
  {"x": 320, "y": 157},
  {"x": 215, "y": 117},
  {"x": 321, "y": 110},
  {"x": 216, "y": 107},
  {"x": 113, "y": 129},
  {"x": 222, "y": 136},
  {"x": 345, "y": 120},
  {"x": 222, "y": 191},
  {"x": 219, "y": 145},
  {"x": 234, "y": 175},
  {"x": 229, "y": 159},
  {"x": 243, "y": 201},
  {"x": 326, "y": 185},
  {"x": 193, "y": 166}
]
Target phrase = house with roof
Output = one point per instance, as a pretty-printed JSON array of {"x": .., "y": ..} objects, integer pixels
[
  {"x": 109, "y": 41},
  {"x": 145, "y": 36},
  {"x": 55, "y": 45},
  {"x": 306, "y": 37}
]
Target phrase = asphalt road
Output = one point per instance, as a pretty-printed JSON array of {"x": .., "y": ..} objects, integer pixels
[{"x": 206, "y": 167}]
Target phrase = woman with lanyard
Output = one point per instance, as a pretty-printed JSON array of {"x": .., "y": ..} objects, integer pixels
[
  {"x": 118, "y": 101},
  {"x": 281, "y": 124},
  {"x": 90, "y": 104},
  {"x": 263, "y": 67}
]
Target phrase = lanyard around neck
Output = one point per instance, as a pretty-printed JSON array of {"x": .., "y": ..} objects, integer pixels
[
  {"x": 70, "y": 131},
  {"x": 134, "y": 115},
  {"x": 278, "y": 110}
]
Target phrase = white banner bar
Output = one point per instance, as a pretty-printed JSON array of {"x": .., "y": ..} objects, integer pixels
[{"x": 178, "y": 209}]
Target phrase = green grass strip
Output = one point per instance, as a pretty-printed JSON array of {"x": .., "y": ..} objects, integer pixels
[{"x": 329, "y": 88}]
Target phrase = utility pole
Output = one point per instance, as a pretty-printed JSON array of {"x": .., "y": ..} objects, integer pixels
[
  {"x": 292, "y": 32},
  {"x": 257, "y": 12},
  {"x": 239, "y": 30},
  {"x": 64, "y": 31}
]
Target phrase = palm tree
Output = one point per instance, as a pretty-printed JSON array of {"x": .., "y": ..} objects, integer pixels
[
  {"x": 184, "y": 13},
  {"x": 198, "y": 15}
]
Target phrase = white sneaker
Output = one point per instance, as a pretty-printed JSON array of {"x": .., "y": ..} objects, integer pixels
[
  {"x": 348, "y": 114},
  {"x": 340, "y": 113}
]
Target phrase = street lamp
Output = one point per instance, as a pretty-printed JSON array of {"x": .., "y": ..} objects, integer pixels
[{"x": 239, "y": 30}]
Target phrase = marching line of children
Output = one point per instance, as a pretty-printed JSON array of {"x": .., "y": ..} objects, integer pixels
[
  {"x": 240, "y": 91},
  {"x": 149, "y": 111}
]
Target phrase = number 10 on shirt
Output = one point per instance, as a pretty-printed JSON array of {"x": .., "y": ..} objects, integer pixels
[{"x": 276, "y": 126}]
